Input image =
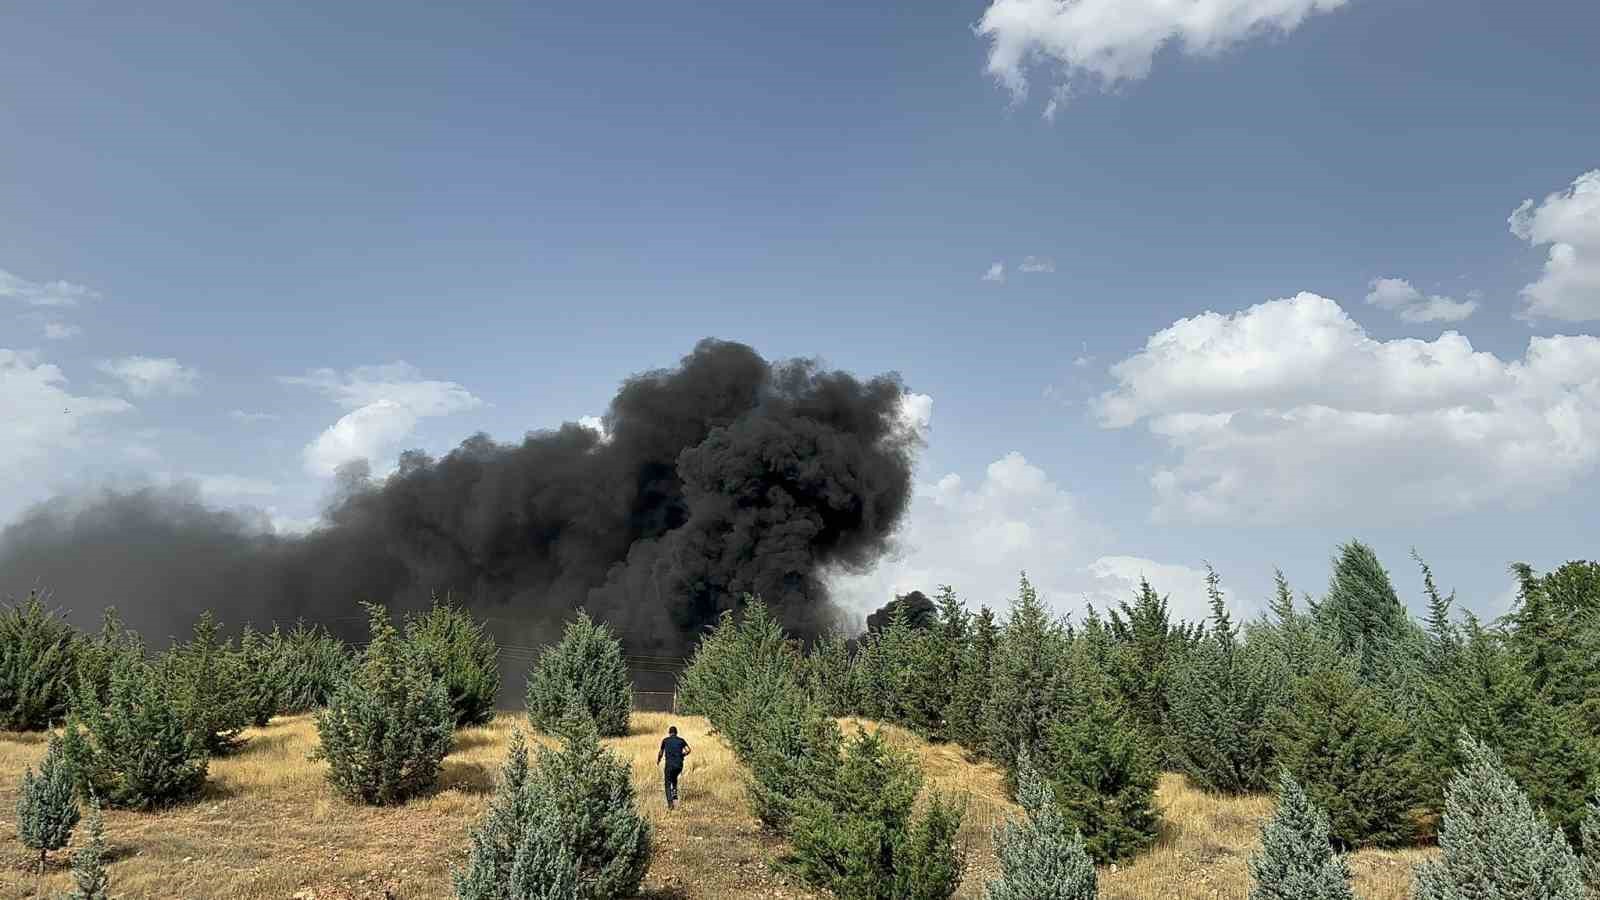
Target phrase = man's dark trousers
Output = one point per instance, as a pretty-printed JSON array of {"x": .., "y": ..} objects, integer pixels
[{"x": 672, "y": 783}]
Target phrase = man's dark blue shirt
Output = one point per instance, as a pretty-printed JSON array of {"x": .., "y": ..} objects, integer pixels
[{"x": 672, "y": 748}]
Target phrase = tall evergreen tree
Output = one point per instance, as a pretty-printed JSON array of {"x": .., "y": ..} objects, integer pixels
[
  {"x": 1221, "y": 701},
  {"x": 791, "y": 753},
  {"x": 826, "y": 674},
  {"x": 1103, "y": 774},
  {"x": 263, "y": 672},
  {"x": 1041, "y": 856},
  {"x": 47, "y": 808},
  {"x": 1495, "y": 845},
  {"x": 125, "y": 740},
  {"x": 1591, "y": 849},
  {"x": 1149, "y": 647},
  {"x": 1027, "y": 681},
  {"x": 389, "y": 725},
  {"x": 858, "y": 838},
  {"x": 586, "y": 665},
  {"x": 872, "y": 679},
  {"x": 974, "y": 685},
  {"x": 205, "y": 681},
  {"x": 743, "y": 648},
  {"x": 38, "y": 653},
  {"x": 1555, "y": 631},
  {"x": 1300, "y": 643},
  {"x": 98, "y": 655},
  {"x": 1296, "y": 861},
  {"x": 1444, "y": 638},
  {"x": 462, "y": 654},
  {"x": 1364, "y": 611},
  {"x": 943, "y": 649},
  {"x": 898, "y": 650},
  {"x": 567, "y": 828},
  {"x": 314, "y": 663},
  {"x": 1491, "y": 695},
  {"x": 1353, "y": 756},
  {"x": 588, "y": 791}
]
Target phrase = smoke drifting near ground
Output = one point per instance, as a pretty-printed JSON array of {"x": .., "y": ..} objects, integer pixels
[{"x": 725, "y": 475}]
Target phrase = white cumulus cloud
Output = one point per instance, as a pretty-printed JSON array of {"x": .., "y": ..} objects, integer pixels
[
  {"x": 1398, "y": 296},
  {"x": 43, "y": 293},
  {"x": 979, "y": 537},
  {"x": 145, "y": 376},
  {"x": 916, "y": 413},
  {"x": 1569, "y": 222},
  {"x": 386, "y": 402},
  {"x": 1290, "y": 412},
  {"x": 1106, "y": 42},
  {"x": 596, "y": 424}
]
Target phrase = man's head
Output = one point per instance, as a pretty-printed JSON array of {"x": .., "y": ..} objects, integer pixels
[{"x": 672, "y": 729}]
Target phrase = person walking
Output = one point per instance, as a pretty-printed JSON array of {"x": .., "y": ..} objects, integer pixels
[{"x": 673, "y": 750}]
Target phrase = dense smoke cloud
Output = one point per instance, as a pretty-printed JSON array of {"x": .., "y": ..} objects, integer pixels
[
  {"x": 725, "y": 475},
  {"x": 920, "y": 612}
]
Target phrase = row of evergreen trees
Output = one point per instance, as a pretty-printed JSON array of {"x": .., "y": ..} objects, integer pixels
[
  {"x": 845, "y": 803},
  {"x": 1360, "y": 703},
  {"x": 1358, "y": 700},
  {"x": 1495, "y": 845},
  {"x": 139, "y": 732},
  {"x": 43, "y": 660},
  {"x": 138, "y": 729},
  {"x": 1080, "y": 703}
]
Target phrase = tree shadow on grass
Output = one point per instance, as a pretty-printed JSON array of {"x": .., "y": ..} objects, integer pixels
[
  {"x": 1167, "y": 833},
  {"x": 212, "y": 791},
  {"x": 116, "y": 852}
]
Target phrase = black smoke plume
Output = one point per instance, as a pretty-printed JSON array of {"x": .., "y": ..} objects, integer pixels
[
  {"x": 921, "y": 613},
  {"x": 725, "y": 475}
]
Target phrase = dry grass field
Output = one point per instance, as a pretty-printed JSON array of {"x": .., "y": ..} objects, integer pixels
[{"x": 268, "y": 826}]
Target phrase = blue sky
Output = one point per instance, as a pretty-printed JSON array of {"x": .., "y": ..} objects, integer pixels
[{"x": 239, "y": 244}]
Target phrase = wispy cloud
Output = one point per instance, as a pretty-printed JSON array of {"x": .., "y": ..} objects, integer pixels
[
  {"x": 240, "y": 415},
  {"x": 996, "y": 273},
  {"x": 60, "y": 331},
  {"x": 1037, "y": 264},
  {"x": 146, "y": 376},
  {"x": 1399, "y": 297},
  {"x": 43, "y": 293}
]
